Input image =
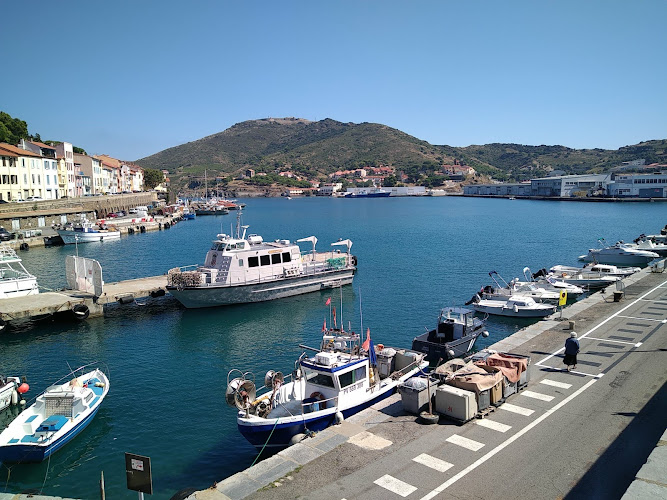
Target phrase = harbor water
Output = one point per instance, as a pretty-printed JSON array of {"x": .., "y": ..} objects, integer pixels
[{"x": 168, "y": 366}]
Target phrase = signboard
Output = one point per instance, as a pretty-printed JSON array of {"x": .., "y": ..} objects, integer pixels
[
  {"x": 563, "y": 298},
  {"x": 138, "y": 472}
]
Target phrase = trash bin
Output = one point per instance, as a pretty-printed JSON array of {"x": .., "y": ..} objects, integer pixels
[{"x": 415, "y": 395}]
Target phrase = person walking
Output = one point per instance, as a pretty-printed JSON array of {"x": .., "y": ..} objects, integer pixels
[{"x": 571, "y": 351}]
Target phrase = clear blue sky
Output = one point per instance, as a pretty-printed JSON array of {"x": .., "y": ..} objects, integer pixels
[{"x": 130, "y": 78}]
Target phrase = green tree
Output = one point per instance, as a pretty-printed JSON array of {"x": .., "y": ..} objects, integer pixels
[
  {"x": 14, "y": 129},
  {"x": 152, "y": 178}
]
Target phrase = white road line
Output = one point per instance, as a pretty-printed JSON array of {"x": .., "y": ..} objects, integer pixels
[
  {"x": 517, "y": 409},
  {"x": 553, "y": 383},
  {"x": 617, "y": 313},
  {"x": 596, "y": 375},
  {"x": 465, "y": 442},
  {"x": 490, "y": 424},
  {"x": 537, "y": 395},
  {"x": 395, "y": 485},
  {"x": 614, "y": 341},
  {"x": 432, "y": 462},
  {"x": 506, "y": 443},
  {"x": 645, "y": 319}
]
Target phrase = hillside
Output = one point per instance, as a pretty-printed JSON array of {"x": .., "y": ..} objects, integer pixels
[{"x": 316, "y": 149}]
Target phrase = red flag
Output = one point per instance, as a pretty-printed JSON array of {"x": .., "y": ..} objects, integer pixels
[
  {"x": 367, "y": 343},
  {"x": 328, "y": 301},
  {"x": 324, "y": 326},
  {"x": 334, "y": 316}
]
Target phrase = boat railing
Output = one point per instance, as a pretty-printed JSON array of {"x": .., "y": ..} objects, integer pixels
[
  {"x": 403, "y": 371},
  {"x": 320, "y": 404}
]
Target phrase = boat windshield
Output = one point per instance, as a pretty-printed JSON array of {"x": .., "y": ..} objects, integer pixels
[{"x": 318, "y": 378}]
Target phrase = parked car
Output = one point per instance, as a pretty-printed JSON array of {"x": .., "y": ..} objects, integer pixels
[
  {"x": 112, "y": 215},
  {"x": 4, "y": 234},
  {"x": 34, "y": 198}
]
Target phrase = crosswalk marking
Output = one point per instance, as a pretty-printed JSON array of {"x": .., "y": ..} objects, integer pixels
[
  {"x": 537, "y": 395},
  {"x": 517, "y": 409},
  {"x": 490, "y": 424},
  {"x": 432, "y": 462},
  {"x": 465, "y": 442},
  {"x": 395, "y": 485},
  {"x": 553, "y": 383}
]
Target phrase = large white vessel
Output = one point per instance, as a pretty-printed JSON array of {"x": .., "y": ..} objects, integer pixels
[
  {"x": 620, "y": 254},
  {"x": 15, "y": 280},
  {"x": 239, "y": 270}
]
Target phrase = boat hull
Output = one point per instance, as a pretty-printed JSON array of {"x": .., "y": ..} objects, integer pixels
[
  {"x": 211, "y": 296},
  {"x": 35, "y": 453},
  {"x": 6, "y": 392},
  {"x": 625, "y": 260},
  {"x": 435, "y": 352},
  {"x": 18, "y": 287},
  {"x": 277, "y": 435},
  {"x": 72, "y": 237},
  {"x": 500, "y": 310}
]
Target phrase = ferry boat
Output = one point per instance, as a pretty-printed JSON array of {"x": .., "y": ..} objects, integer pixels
[
  {"x": 341, "y": 379},
  {"x": 15, "y": 280},
  {"x": 84, "y": 231},
  {"x": 457, "y": 331},
  {"x": 57, "y": 416},
  {"x": 244, "y": 269}
]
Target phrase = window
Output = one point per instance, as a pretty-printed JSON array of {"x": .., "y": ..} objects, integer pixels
[
  {"x": 321, "y": 380},
  {"x": 275, "y": 258},
  {"x": 265, "y": 260},
  {"x": 287, "y": 257},
  {"x": 240, "y": 262},
  {"x": 253, "y": 261}
]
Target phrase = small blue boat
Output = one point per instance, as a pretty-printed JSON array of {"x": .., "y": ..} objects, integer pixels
[{"x": 56, "y": 417}]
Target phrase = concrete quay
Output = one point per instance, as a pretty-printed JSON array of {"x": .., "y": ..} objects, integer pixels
[{"x": 582, "y": 434}]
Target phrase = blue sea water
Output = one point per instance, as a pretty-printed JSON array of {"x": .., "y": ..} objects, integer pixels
[{"x": 168, "y": 365}]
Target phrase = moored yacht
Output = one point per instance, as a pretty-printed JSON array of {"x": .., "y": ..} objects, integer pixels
[
  {"x": 244, "y": 269},
  {"x": 620, "y": 254},
  {"x": 15, "y": 280}
]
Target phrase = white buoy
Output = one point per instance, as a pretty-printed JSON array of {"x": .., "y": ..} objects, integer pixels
[
  {"x": 339, "y": 418},
  {"x": 451, "y": 353},
  {"x": 15, "y": 397}
]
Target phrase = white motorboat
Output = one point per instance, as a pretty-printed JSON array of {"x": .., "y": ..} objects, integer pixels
[
  {"x": 10, "y": 388},
  {"x": 620, "y": 254},
  {"x": 519, "y": 307},
  {"x": 341, "y": 379},
  {"x": 549, "y": 282},
  {"x": 454, "y": 337},
  {"x": 57, "y": 416},
  {"x": 85, "y": 231},
  {"x": 15, "y": 280},
  {"x": 596, "y": 270},
  {"x": 645, "y": 243},
  {"x": 516, "y": 288},
  {"x": 247, "y": 269}
]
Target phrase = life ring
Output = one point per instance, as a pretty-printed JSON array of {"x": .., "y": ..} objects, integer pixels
[{"x": 317, "y": 395}]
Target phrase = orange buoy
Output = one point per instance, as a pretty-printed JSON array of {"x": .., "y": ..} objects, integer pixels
[{"x": 23, "y": 388}]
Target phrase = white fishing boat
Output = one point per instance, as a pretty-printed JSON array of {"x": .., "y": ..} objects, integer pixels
[
  {"x": 10, "y": 388},
  {"x": 519, "y": 307},
  {"x": 15, "y": 280},
  {"x": 244, "y": 269},
  {"x": 620, "y": 254},
  {"x": 454, "y": 336},
  {"x": 341, "y": 379},
  {"x": 85, "y": 231},
  {"x": 56, "y": 417}
]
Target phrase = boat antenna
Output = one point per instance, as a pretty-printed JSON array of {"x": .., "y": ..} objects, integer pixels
[
  {"x": 340, "y": 287},
  {"x": 238, "y": 223},
  {"x": 361, "y": 314},
  {"x": 68, "y": 366}
]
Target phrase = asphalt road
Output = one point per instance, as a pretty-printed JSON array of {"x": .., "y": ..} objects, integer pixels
[{"x": 582, "y": 434}]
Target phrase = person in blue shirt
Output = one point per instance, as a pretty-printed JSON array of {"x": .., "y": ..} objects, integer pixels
[{"x": 571, "y": 351}]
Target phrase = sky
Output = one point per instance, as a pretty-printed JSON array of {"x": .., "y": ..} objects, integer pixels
[{"x": 131, "y": 78}]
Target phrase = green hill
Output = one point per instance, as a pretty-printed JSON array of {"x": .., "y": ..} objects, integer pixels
[{"x": 316, "y": 149}]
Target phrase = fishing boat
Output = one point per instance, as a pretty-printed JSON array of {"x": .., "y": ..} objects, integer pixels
[
  {"x": 85, "y": 231},
  {"x": 15, "y": 280},
  {"x": 56, "y": 417},
  {"x": 10, "y": 388},
  {"x": 244, "y": 269},
  {"x": 341, "y": 379},
  {"x": 620, "y": 254},
  {"x": 518, "y": 307},
  {"x": 454, "y": 336}
]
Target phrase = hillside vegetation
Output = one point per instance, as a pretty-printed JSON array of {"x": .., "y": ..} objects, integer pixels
[{"x": 316, "y": 149}]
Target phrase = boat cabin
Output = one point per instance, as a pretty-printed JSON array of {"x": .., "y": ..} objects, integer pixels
[
  {"x": 453, "y": 323},
  {"x": 331, "y": 376}
]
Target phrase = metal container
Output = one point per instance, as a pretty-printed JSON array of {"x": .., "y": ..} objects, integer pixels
[
  {"x": 509, "y": 388},
  {"x": 496, "y": 393},
  {"x": 415, "y": 394},
  {"x": 455, "y": 403},
  {"x": 483, "y": 399},
  {"x": 525, "y": 376},
  {"x": 386, "y": 362}
]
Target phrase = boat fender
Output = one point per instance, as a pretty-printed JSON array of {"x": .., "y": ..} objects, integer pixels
[
  {"x": 297, "y": 438},
  {"x": 23, "y": 388},
  {"x": 3, "y": 324},
  {"x": 81, "y": 311},
  {"x": 338, "y": 418},
  {"x": 127, "y": 299},
  {"x": 485, "y": 334},
  {"x": 516, "y": 309},
  {"x": 24, "y": 246},
  {"x": 15, "y": 397},
  {"x": 157, "y": 293},
  {"x": 99, "y": 384},
  {"x": 451, "y": 353},
  {"x": 143, "y": 229},
  {"x": 354, "y": 261}
]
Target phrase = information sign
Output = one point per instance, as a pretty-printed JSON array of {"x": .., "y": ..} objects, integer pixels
[{"x": 138, "y": 472}]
